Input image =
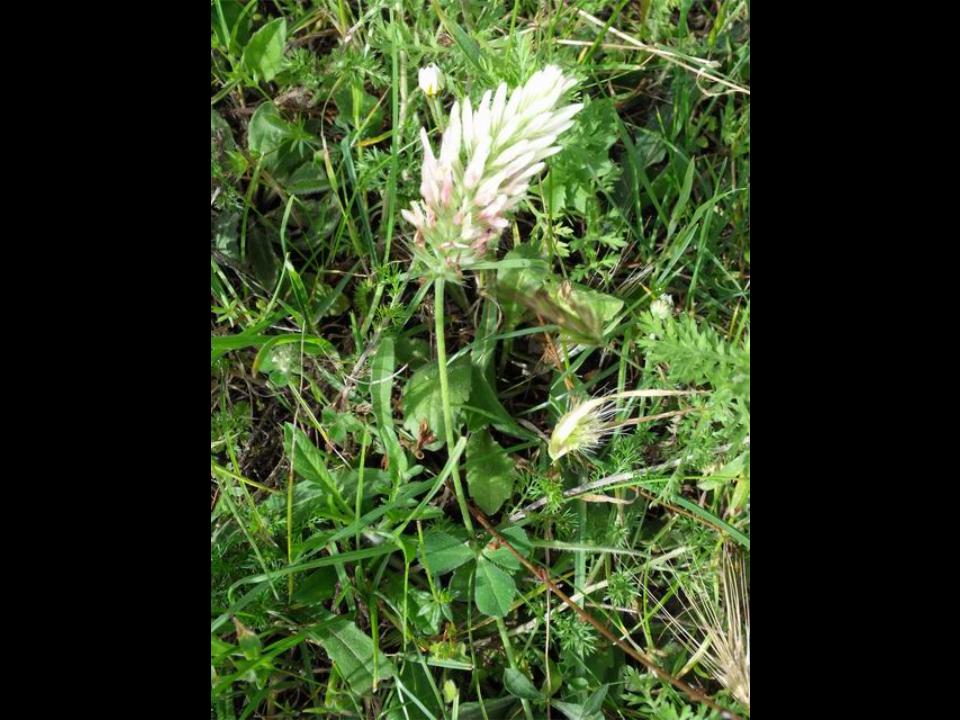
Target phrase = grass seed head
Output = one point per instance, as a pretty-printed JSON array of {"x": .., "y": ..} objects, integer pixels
[
  {"x": 580, "y": 430},
  {"x": 720, "y": 638}
]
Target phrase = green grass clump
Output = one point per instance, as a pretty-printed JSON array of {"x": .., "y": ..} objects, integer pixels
[{"x": 367, "y": 413}]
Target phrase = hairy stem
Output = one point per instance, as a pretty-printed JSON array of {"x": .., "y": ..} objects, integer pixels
[{"x": 445, "y": 398}]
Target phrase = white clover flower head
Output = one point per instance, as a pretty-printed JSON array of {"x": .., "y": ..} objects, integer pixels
[
  {"x": 430, "y": 80},
  {"x": 488, "y": 157},
  {"x": 662, "y": 307}
]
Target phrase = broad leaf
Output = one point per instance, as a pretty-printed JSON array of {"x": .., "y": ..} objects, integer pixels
[
  {"x": 381, "y": 387},
  {"x": 501, "y": 555},
  {"x": 233, "y": 27},
  {"x": 352, "y": 654},
  {"x": 486, "y": 409},
  {"x": 267, "y": 130},
  {"x": 380, "y": 382},
  {"x": 221, "y": 136},
  {"x": 594, "y": 703},
  {"x": 492, "y": 708},
  {"x": 263, "y": 56},
  {"x": 307, "y": 179},
  {"x": 358, "y": 109},
  {"x": 309, "y": 501},
  {"x": 490, "y": 472},
  {"x": 444, "y": 552},
  {"x": 415, "y": 682},
  {"x": 515, "y": 283},
  {"x": 248, "y": 640},
  {"x": 423, "y": 401},
  {"x": 495, "y": 589},
  {"x": 573, "y": 711},
  {"x": 307, "y": 460},
  {"x": 590, "y": 710},
  {"x": 460, "y": 581},
  {"x": 580, "y": 311},
  {"x": 315, "y": 587},
  {"x": 519, "y": 685}
]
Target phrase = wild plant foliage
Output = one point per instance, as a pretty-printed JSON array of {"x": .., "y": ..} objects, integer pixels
[{"x": 480, "y": 359}]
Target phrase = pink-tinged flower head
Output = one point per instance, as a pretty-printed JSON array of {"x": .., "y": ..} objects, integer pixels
[{"x": 488, "y": 157}]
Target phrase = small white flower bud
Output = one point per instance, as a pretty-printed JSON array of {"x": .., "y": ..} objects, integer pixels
[
  {"x": 662, "y": 307},
  {"x": 431, "y": 80}
]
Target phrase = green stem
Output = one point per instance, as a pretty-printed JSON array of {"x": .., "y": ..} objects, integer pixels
[
  {"x": 511, "y": 659},
  {"x": 580, "y": 567},
  {"x": 448, "y": 422},
  {"x": 445, "y": 398},
  {"x": 435, "y": 111}
]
